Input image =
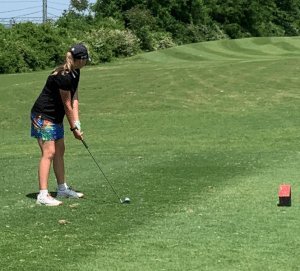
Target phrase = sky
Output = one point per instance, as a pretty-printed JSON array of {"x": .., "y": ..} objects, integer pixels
[{"x": 20, "y": 9}]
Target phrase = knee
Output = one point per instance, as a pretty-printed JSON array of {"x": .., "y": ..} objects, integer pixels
[{"x": 49, "y": 154}]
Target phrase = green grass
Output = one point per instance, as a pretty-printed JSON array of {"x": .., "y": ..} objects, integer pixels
[{"x": 199, "y": 137}]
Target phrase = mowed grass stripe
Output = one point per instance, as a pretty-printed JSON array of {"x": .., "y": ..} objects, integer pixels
[{"x": 245, "y": 49}]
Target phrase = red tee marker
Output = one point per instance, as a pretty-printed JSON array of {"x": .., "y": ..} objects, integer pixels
[{"x": 285, "y": 195}]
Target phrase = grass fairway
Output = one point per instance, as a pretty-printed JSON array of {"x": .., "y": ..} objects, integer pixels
[{"x": 199, "y": 137}]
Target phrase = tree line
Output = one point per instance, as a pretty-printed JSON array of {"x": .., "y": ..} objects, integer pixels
[
  {"x": 186, "y": 19},
  {"x": 122, "y": 28}
]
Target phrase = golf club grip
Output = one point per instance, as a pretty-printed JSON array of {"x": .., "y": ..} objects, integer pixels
[{"x": 85, "y": 145}]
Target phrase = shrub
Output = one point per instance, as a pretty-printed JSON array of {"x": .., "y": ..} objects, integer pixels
[
  {"x": 105, "y": 45},
  {"x": 141, "y": 22},
  {"x": 290, "y": 30},
  {"x": 269, "y": 30},
  {"x": 109, "y": 23},
  {"x": 11, "y": 63},
  {"x": 11, "y": 60},
  {"x": 138, "y": 18},
  {"x": 181, "y": 33},
  {"x": 164, "y": 40},
  {"x": 198, "y": 33},
  {"x": 214, "y": 32},
  {"x": 29, "y": 58},
  {"x": 125, "y": 43},
  {"x": 32, "y": 47},
  {"x": 234, "y": 30},
  {"x": 147, "y": 39},
  {"x": 160, "y": 41},
  {"x": 74, "y": 21}
]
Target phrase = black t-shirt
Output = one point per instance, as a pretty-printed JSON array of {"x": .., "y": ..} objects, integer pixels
[{"x": 49, "y": 104}]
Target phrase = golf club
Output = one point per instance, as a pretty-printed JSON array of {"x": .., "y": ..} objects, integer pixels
[{"x": 127, "y": 200}]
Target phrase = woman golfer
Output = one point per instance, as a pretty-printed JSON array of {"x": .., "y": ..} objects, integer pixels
[{"x": 58, "y": 98}]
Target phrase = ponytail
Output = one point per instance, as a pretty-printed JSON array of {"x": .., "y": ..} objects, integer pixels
[{"x": 67, "y": 66}]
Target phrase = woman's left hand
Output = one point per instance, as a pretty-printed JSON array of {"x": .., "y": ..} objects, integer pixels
[{"x": 78, "y": 134}]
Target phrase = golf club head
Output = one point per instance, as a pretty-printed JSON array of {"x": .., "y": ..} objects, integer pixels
[{"x": 126, "y": 201}]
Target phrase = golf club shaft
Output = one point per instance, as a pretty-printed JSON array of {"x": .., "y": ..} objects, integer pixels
[{"x": 86, "y": 146}]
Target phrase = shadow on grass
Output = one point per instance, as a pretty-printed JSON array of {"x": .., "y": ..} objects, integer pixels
[{"x": 34, "y": 195}]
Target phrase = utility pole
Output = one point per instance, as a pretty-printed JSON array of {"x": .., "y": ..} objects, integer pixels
[{"x": 44, "y": 11}]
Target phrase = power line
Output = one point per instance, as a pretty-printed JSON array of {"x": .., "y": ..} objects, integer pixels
[
  {"x": 33, "y": 18},
  {"x": 55, "y": 8},
  {"x": 42, "y": 10},
  {"x": 53, "y": 15},
  {"x": 29, "y": 14},
  {"x": 20, "y": 2},
  {"x": 58, "y": 3},
  {"x": 18, "y": 9}
]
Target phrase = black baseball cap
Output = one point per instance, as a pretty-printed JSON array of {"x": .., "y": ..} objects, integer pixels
[{"x": 79, "y": 51}]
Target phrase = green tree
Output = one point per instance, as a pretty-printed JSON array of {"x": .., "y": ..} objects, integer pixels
[
  {"x": 186, "y": 11},
  {"x": 287, "y": 16},
  {"x": 113, "y": 8},
  {"x": 258, "y": 15},
  {"x": 239, "y": 18},
  {"x": 173, "y": 16},
  {"x": 80, "y": 5}
]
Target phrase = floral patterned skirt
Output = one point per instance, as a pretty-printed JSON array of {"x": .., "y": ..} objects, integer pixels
[{"x": 45, "y": 129}]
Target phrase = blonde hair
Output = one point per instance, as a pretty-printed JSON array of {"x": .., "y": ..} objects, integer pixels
[{"x": 68, "y": 66}]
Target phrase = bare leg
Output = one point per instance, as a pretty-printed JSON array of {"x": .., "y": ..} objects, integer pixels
[
  {"x": 48, "y": 153},
  {"x": 59, "y": 169},
  {"x": 58, "y": 161}
]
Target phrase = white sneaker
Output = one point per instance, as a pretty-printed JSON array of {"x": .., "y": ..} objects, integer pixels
[
  {"x": 69, "y": 193},
  {"x": 47, "y": 200}
]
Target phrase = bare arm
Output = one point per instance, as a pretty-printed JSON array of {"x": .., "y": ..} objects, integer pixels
[
  {"x": 75, "y": 105},
  {"x": 67, "y": 102}
]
